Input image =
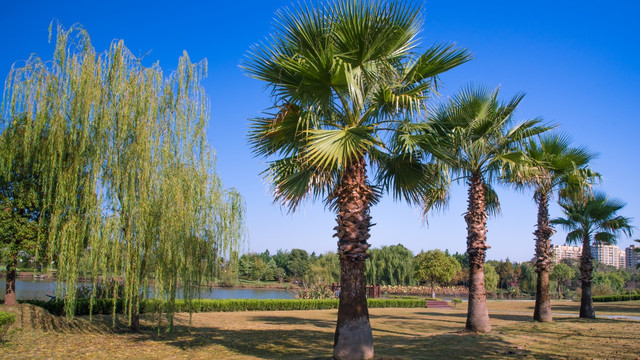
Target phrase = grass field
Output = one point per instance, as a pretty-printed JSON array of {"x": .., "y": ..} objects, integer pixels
[{"x": 398, "y": 334}]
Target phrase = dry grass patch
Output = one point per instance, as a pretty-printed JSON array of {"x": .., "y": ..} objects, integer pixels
[{"x": 398, "y": 334}]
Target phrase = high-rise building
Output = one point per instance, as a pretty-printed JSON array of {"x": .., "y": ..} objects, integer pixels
[
  {"x": 633, "y": 257},
  {"x": 561, "y": 252},
  {"x": 608, "y": 254}
]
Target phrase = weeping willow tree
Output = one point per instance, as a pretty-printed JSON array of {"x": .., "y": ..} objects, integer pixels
[{"x": 126, "y": 170}]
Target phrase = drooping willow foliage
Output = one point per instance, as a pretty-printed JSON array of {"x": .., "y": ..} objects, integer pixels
[{"x": 126, "y": 168}]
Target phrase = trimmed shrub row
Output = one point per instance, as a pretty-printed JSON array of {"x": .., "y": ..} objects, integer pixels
[
  {"x": 102, "y": 306},
  {"x": 621, "y": 297}
]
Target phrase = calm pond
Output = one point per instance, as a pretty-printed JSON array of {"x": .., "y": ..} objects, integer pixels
[{"x": 39, "y": 290}]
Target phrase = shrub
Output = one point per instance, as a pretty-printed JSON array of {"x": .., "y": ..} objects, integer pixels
[
  {"x": 316, "y": 291},
  {"x": 621, "y": 297},
  {"x": 6, "y": 319},
  {"x": 101, "y": 306}
]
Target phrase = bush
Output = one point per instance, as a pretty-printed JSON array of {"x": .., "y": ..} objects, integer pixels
[
  {"x": 316, "y": 291},
  {"x": 6, "y": 319},
  {"x": 100, "y": 306},
  {"x": 621, "y": 297},
  {"x": 56, "y": 307}
]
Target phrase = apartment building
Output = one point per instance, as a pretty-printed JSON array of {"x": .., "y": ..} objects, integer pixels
[
  {"x": 633, "y": 257},
  {"x": 608, "y": 254},
  {"x": 561, "y": 252}
]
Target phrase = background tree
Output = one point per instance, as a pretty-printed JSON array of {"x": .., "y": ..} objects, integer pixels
[
  {"x": 473, "y": 135},
  {"x": 324, "y": 269},
  {"x": 141, "y": 189},
  {"x": 561, "y": 273},
  {"x": 435, "y": 268},
  {"x": 21, "y": 212},
  {"x": 345, "y": 77},
  {"x": 491, "y": 278},
  {"x": 586, "y": 218},
  {"x": 527, "y": 278},
  {"x": 390, "y": 265},
  {"x": 551, "y": 164},
  {"x": 506, "y": 272},
  {"x": 298, "y": 263}
]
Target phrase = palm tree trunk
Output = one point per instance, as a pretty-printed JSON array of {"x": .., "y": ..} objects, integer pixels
[
  {"x": 10, "y": 294},
  {"x": 353, "y": 337},
  {"x": 586, "y": 268},
  {"x": 476, "y": 218},
  {"x": 542, "y": 311}
]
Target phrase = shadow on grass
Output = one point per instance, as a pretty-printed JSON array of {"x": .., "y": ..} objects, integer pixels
[
  {"x": 292, "y": 320},
  {"x": 492, "y": 315},
  {"x": 450, "y": 346},
  {"x": 287, "y": 342},
  {"x": 308, "y": 344},
  {"x": 394, "y": 343},
  {"x": 630, "y": 308}
]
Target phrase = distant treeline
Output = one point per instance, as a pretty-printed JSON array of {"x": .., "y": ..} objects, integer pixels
[{"x": 397, "y": 265}]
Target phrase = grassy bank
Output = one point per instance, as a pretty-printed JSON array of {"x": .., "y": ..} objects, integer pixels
[{"x": 398, "y": 333}]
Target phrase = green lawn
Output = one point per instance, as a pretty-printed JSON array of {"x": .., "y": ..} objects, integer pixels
[{"x": 398, "y": 334}]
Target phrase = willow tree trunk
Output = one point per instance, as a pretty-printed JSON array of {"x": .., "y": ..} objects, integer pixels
[
  {"x": 476, "y": 218},
  {"x": 10, "y": 294},
  {"x": 353, "y": 337},
  {"x": 586, "y": 268},
  {"x": 542, "y": 310}
]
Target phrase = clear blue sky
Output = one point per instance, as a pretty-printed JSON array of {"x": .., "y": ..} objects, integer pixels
[{"x": 578, "y": 62}]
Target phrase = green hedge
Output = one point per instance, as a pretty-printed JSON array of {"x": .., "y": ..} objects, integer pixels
[
  {"x": 100, "y": 306},
  {"x": 6, "y": 319},
  {"x": 56, "y": 307},
  {"x": 621, "y": 297}
]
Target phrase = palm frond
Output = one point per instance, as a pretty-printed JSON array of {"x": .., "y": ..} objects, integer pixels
[
  {"x": 330, "y": 148},
  {"x": 492, "y": 203},
  {"x": 293, "y": 181},
  {"x": 409, "y": 179}
]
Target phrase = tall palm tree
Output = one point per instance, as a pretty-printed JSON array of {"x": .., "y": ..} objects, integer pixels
[
  {"x": 473, "y": 135},
  {"x": 550, "y": 164},
  {"x": 586, "y": 218},
  {"x": 345, "y": 77}
]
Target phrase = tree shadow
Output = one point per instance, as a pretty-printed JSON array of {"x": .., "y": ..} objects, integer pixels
[
  {"x": 265, "y": 344},
  {"x": 460, "y": 345},
  {"x": 617, "y": 308},
  {"x": 309, "y": 344},
  {"x": 292, "y": 320}
]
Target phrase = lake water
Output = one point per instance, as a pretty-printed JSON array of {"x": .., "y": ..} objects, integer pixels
[{"x": 39, "y": 290}]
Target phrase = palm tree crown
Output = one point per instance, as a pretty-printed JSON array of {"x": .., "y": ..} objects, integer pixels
[
  {"x": 343, "y": 77},
  {"x": 551, "y": 163},
  {"x": 474, "y": 132},
  {"x": 594, "y": 219}
]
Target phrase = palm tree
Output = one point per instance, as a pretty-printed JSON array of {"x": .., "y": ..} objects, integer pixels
[
  {"x": 473, "y": 135},
  {"x": 345, "y": 77},
  {"x": 586, "y": 218},
  {"x": 550, "y": 164}
]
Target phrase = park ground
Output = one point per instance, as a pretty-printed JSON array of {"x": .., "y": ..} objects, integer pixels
[{"x": 398, "y": 334}]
